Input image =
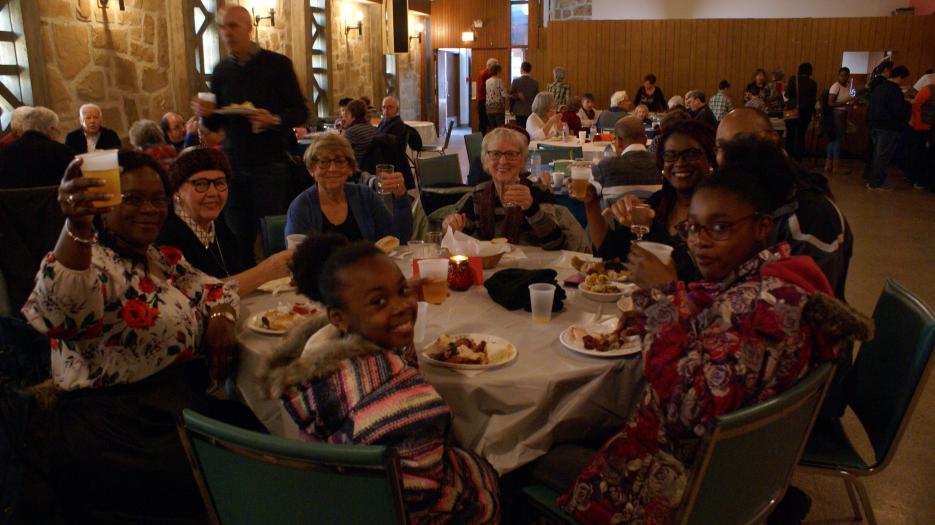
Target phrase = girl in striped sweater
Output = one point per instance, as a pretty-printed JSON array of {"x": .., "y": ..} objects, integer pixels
[{"x": 351, "y": 377}]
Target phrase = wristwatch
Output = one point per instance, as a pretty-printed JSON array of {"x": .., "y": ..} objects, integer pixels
[{"x": 227, "y": 315}]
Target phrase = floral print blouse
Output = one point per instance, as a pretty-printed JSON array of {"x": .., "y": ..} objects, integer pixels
[
  {"x": 711, "y": 348},
  {"x": 117, "y": 323}
]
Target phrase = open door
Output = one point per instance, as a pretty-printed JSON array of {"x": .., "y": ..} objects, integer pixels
[{"x": 448, "y": 64}]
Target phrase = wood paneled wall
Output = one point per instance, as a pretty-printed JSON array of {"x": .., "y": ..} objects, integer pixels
[
  {"x": 604, "y": 56},
  {"x": 451, "y": 18}
]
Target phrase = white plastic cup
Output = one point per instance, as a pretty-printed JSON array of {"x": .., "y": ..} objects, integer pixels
[
  {"x": 103, "y": 165},
  {"x": 419, "y": 329},
  {"x": 662, "y": 251},
  {"x": 541, "y": 296},
  {"x": 582, "y": 137},
  {"x": 207, "y": 96},
  {"x": 293, "y": 241}
]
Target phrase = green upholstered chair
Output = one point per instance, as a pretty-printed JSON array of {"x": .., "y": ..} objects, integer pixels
[
  {"x": 248, "y": 478},
  {"x": 571, "y": 152},
  {"x": 744, "y": 463},
  {"x": 884, "y": 386},
  {"x": 472, "y": 143},
  {"x": 439, "y": 170},
  {"x": 273, "y": 233}
]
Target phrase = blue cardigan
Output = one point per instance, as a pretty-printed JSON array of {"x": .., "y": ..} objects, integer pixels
[{"x": 373, "y": 219}]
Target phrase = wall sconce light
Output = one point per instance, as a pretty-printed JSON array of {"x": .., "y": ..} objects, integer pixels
[
  {"x": 418, "y": 36},
  {"x": 467, "y": 36},
  {"x": 359, "y": 17},
  {"x": 271, "y": 17},
  {"x": 103, "y": 4}
]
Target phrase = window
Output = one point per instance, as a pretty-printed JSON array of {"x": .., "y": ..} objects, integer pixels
[
  {"x": 207, "y": 45},
  {"x": 517, "y": 55},
  {"x": 15, "y": 81},
  {"x": 319, "y": 54},
  {"x": 519, "y": 23}
]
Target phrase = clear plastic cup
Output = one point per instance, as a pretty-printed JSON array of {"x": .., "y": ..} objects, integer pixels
[
  {"x": 662, "y": 251},
  {"x": 207, "y": 96},
  {"x": 382, "y": 171},
  {"x": 582, "y": 137},
  {"x": 435, "y": 272},
  {"x": 293, "y": 241},
  {"x": 541, "y": 296},
  {"x": 419, "y": 329},
  {"x": 103, "y": 165}
]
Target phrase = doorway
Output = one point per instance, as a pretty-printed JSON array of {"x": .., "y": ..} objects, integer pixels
[{"x": 449, "y": 92}]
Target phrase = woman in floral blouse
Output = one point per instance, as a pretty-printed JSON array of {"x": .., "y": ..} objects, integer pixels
[
  {"x": 731, "y": 340},
  {"x": 127, "y": 321}
]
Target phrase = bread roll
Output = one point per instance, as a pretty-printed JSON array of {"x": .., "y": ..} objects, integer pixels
[{"x": 387, "y": 244}]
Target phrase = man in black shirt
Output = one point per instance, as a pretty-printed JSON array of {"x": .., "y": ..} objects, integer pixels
[
  {"x": 255, "y": 142},
  {"x": 36, "y": 158},
  {"x": 392, "y": 124},
  {"x": 888, "y": 117},
  {"x": 697, "y": 103}
]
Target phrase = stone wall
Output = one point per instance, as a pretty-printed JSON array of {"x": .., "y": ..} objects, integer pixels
[
  {"x": 278, "y": 38},
  {"x": 409, "y": 76},
  {"x": 355, "y": 62},
  {"x": 570, "y": 10},
  {"x": 116, "y": 59}
]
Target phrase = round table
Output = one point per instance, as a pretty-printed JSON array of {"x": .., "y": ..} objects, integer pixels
[
  {"x": 509, "y": 415},
  {"x": 591, "y": 150},
  {"x": 426, "y": 131}
]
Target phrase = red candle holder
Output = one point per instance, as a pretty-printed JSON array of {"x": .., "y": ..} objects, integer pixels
[{"x": 460, "y": 277}]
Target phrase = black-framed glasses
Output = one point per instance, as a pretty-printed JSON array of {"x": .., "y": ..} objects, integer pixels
[
  {"x": 202, "y": 185},
  {"x": 716, "y": 231},
  {"x": 132, "y": 199},
  {"x": 496, "y": 155},
  {"x": 337, "y": 162},
  {"x": 690, "y": 155}
]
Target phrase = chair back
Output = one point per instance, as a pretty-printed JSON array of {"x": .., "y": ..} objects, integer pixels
[
  {"x": 571, "y": 152},
  {"x": 890, "y": 370},
  {"x": 472, "y": 143},
  {"x": 273, "y": 233},
  {"x": 439, "y": 170},
  {"x": 746, "y": 460},
  {"x": 249, "y": 478},
  {"x": 451, "y": 125},
  {"x": 551, "y": 155}
]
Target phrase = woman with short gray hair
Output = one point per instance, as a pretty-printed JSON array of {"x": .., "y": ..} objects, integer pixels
[
  {"x": 42, "y": 120},
  {"x": 147, "y": 136},
  {"x": 545, "y": 120},
  {"x": 560, "y": 89}
]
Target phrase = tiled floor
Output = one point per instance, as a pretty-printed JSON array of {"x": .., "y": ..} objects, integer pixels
[{"x": 894, "y": 233}]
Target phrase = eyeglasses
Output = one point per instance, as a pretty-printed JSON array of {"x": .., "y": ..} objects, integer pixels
[
  {"x": 202, "y": 185},
  {"x": 716, "y": 231},
  {"x": 137, "y": 201},
  {"x": 508, "y": 155},
  {"x": 690, "y": 155},
  {"x": 337, "y": 162}
]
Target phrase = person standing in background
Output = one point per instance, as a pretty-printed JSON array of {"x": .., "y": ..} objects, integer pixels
[
  {"x": 522, "y": 92},
  {"x": 803, "y": 94},
  {"x": 255, "y": 143},
  {"x": 559, "y": 89},
  {"x": 497, "y": 97},
  {"x": 650, "y": 95},
  {"x": 839, "y": 98},
  {"x": 888, "y": 117},
  {"x": 482, "y": 124},
  {"x": 922, "y": 144}
]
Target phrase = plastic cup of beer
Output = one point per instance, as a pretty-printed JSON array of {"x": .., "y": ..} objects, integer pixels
[
  {"x": 662, "y": 251},
  {"x": 580, "y": 178},
  {"x": 103, "y": 165},
  {"x": 435, "y": 273},
  {"x": 541, "y": 296},
  {"x": 294, "y": 240}
]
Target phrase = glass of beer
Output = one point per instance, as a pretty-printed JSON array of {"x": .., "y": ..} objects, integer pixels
[
  {"x": 103, "y": 165},
  {"x": 580, "y": 178},
  {"x": 382, "y": 171},
  {"x": 435, "y": 273},
  {"x": 641, "y": 219}
]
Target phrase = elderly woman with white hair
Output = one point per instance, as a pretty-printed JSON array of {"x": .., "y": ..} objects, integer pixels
[
  {"x": 620, "y": 103},
  {"x": 559, "y": 89},
  {"x": 36, "y": 158},
  {"x": 512, "y": 206},
  {"x": 545, "y": 120},
  {"x": 147, "y": 136},
  {"x": 16, "y": 125}
]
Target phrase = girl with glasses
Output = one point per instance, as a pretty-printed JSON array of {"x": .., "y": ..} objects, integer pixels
[{"x": 200, "y": 179}]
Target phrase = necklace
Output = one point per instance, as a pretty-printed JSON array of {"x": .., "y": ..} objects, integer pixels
[{"x": 219, "y": 258}]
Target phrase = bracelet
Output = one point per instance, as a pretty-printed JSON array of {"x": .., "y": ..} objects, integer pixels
[
  {"x": 81, "y": 240},
  {"x": 226, "y": 315}
]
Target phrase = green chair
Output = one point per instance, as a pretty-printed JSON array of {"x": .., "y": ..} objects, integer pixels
[
  {"x": 736, "y": 479},
  {"x": 439, "y": 170},
  {"x": 571, "y": 152},
  {"x": 248, "y": 478},
  {"x": 884, "y": 386},
  {"x": 273, "y": 234},
  {"x": 550, "y": 155},
  {"x": 472, "y": 143}
]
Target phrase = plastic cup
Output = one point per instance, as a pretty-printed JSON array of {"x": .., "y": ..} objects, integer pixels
[
  {"x": 541, "y": 296},
  {"x": 382, "y": 171},
  {"x": 103, "y": 165},
  {"x": 293, "y": 241},
  {"x": 207, "y": 96},
  {"x": 580, "y": 177},
  {"x": 419, "y": 329},
  {"x": 435, "y": 272},
  {"x": 582, "y": 137},
  {"x": 662, "y": 251}
]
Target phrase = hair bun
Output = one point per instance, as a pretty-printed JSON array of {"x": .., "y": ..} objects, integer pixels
[{"x": 309, "y": 261}]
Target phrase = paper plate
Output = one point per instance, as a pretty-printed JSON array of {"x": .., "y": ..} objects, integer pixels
[
  {"x": 277, "y": 285},
  {"x": 633, "y": 345},
  {"x": 491, "y": 340},
  {"x": 254, "y": 321}
]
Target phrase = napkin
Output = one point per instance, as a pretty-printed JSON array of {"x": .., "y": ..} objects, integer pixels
[
  {"x": 510, "y": 288},
  {"x": 458, "y": 243}
]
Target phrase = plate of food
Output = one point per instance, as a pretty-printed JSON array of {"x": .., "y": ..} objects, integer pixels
[
  {"x": 247, "y": 108},
  {"x": 601, "y": 288},
  {"x": 283, "y": 284},
  {"x": 278, "y": 321},
  {"x": 614, "y": 269},
  {"x": 600, "y": 340},
  {"x": 470, "y": 351}
]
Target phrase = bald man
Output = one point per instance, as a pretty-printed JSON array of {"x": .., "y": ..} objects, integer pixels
[
  {"x": 808, "y": 219},
  {"x": 255, "y": 143},
  {"x": 633, "y": 165},
  {"x": 392, "y": 124}
]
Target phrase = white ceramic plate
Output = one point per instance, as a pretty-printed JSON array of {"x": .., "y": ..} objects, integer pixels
[
  {"x": 574, "y": 344},
  {"x": 254, "y": 323},
  {"x": 491, "y": 340},
  {"x": 602, "y": 297},
  {"x": 277, "y": 285}
]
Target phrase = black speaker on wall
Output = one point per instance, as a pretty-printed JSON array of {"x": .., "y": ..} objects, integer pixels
[{"x": 396, "y": 36}]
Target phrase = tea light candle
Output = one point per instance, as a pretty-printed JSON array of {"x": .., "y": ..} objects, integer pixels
[{"x": 460, "y": 277}]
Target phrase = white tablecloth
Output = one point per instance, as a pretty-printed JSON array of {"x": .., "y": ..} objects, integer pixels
[
  {"x": 591, "y": 150},
  {"x": 511, "y": 415},
  {"x": 426, "y": 131}
]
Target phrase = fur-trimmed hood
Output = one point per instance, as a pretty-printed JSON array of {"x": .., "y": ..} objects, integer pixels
[{"x": 311, "y": 350}]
